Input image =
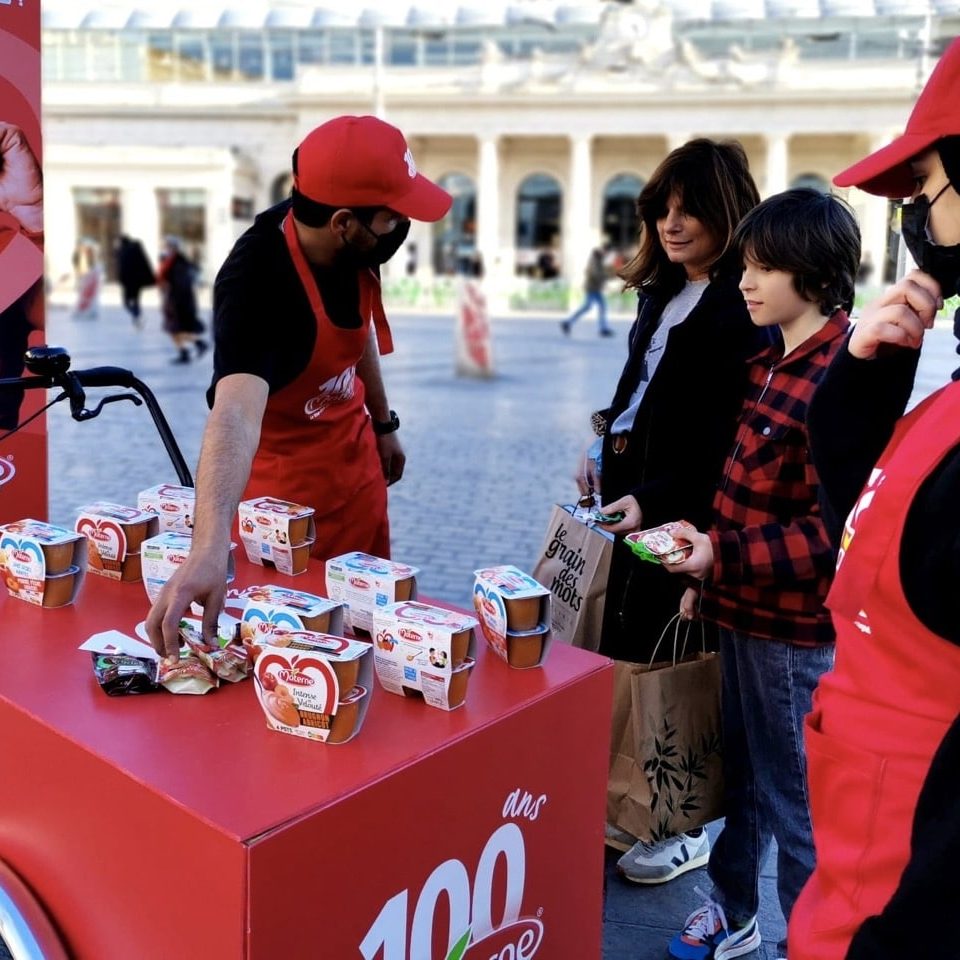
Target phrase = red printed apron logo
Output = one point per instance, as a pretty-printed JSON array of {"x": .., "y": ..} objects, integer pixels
[
  {"x": 337, "y": 389},
  {"x": 7, "y": 471}
]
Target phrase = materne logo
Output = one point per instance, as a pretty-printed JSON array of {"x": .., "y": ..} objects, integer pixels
[
  {"x": 469, "y": 900},
  {"x": 7, "y": 471}
]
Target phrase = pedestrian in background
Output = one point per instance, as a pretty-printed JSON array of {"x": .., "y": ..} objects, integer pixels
[
  {"x": 766, "y": 565},
  {"x": 674, "y": 412},
  {"x": 134, "y": 273},
  {"x": 89, "y": 274},
  {"x": 595, "y": 279},
  {"x": 177, "y": 278}
]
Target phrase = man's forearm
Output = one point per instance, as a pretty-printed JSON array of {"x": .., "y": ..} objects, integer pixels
[{"x": 229, "y": 444}]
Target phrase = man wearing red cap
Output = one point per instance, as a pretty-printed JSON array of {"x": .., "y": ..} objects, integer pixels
[
  {"x": 883, "y": 738},
  {"x": 299, "y": 409}
]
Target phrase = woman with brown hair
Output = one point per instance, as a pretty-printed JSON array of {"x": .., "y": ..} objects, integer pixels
[{"x": 665, "y": 434}]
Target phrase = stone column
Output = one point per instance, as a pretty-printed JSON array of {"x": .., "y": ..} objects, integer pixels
[
  {"x": 488, "y": 215},
  {"x": 775, "y": 180},
  {"x": 873, "y": 220},
  {"x": 580, "y": 229}
]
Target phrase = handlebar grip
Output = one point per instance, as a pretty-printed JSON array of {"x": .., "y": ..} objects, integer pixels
[{"x": 105, "y": 377}]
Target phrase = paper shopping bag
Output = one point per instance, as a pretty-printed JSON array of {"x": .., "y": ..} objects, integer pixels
[
  {"x": 666, "y": 764},
  {"x": 574, "y": 562}
]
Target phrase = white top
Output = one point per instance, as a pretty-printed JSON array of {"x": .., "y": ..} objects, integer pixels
[{"x": 674, "y": 313}]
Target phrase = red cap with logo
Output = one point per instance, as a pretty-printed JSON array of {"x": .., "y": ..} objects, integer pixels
[
  {"x": 936, "y": 114},
  {"x": 364, "y": 162}
]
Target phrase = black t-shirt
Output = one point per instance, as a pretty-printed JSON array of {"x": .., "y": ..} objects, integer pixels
[{"x": 262, "y": 320}]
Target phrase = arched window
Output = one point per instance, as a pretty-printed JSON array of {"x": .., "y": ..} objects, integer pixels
[
  {"x": 620, "y": 223},
  {"x": 455, "y": 236},
  {"x": 539, "y": 208},
  {"x": 811, "y": 180},
  {"x": 281, "y": 188}
]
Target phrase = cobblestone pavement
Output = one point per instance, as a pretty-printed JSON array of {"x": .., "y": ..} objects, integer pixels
[{"x": 486, "y": 461}]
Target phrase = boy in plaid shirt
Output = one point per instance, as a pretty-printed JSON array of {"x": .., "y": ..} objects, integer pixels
[{"x": 767, "y": 562}]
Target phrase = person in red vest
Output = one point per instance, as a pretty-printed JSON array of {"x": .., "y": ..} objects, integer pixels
[
  {"x": 299, "y": 408},
  {"x": 883, "y": 737}
]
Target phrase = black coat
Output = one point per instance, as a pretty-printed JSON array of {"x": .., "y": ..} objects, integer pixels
[
  {"x": 681, "y": 435},
  {"x": 133, "y": 268}
]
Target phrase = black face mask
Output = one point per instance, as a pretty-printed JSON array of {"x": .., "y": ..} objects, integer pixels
[
  {"x": 942, "y": 263},
  {"x": 387, "y": 244}
]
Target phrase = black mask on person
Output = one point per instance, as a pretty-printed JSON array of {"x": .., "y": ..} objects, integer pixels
[
  {"x": 386, "y": 245},
  {"x": 942, "y": 263}
]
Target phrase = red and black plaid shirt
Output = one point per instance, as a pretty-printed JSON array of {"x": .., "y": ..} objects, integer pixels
[{"x": 773, "y": 561}]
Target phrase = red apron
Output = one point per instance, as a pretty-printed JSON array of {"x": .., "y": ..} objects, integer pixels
[
  {"x": 882, "y": 712},
  {"x": 316, "y": 443}
]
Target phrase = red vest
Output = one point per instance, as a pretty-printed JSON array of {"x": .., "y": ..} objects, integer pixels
[
  {"x": 880, "y": 715},
  {"x": 316, "y": 443}
]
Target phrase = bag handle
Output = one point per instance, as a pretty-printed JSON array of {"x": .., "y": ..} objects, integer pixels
[{"x": 674, "y": 622}]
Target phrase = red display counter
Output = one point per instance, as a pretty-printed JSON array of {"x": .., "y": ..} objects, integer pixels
[{"x": 164, "y": 827}]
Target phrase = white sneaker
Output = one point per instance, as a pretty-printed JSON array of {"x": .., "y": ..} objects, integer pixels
[
  {"x": 662, "y": 861},
  {"x": 707, "y": 934},
  {"x": 618, "y": 839}
]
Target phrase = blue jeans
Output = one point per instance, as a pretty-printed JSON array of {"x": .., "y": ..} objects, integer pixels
[
  {"x": 766, "y": 692},
  {"x": 596, "y": 298}
]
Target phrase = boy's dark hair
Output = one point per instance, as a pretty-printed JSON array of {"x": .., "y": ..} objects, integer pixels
[
  {"x": 813, "y": 236},
  {"x": 712, "y": 180}
]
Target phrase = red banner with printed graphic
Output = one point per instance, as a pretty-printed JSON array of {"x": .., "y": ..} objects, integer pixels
[{"x": 23, "y": 454}]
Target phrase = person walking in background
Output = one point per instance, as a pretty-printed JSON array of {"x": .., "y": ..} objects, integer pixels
[
  {"x": 595, "y": 279},
  {"x": 176, "y": 279},
  {"x": 883, "y": 738},
  {"x": 89, "y": 274},
  {"x": 134, "y": 273},
  {"x": 766, "y": 565},
  {"x": 665, "y": 434}
]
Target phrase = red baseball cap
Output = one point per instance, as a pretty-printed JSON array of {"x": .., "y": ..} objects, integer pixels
[
  {"x": 936, "y": 114},
  {"x": 364, "y": 162}
]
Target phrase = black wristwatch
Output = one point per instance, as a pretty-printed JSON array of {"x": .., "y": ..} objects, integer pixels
[{"x": 382, "y": 427}]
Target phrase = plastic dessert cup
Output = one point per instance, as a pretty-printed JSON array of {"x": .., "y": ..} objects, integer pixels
[
  {"x": 347, "y": 671},
  {"x": 130, "y": 572},
  {"x": 459, "y": 644},
  {"x": 457, "y": 692},
  {"x": 402, "y": 589},
  {"x": 345, "y": 719},
  {"x": 524, "y": 649},
  {"x": 523, "y": 613},
  {"x": 300, "y": 554},
  {"x": 58, "y": 588},
  {"x": 297, "y": 529},
  {"x": 319, "y": 624},
  {"x": 136, "y": 533},
  {"x": 58, "y": 557}
]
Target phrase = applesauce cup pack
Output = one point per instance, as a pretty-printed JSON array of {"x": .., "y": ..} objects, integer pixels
[
  {"x": 663, "y": 544},
  {"x": 42, "y": 563},
  {"x": 292, "y": 609},
  {"x": 365, "y": 584},
  {"x": 161, "y": 555},
  {"x": 174, "y": 505},
  {"x": 427, "y": 650},
  {"x": 514, "y": 614},
  {"x": 277, "y": 532},
  {"x": 114, "y": 535},
  {"x": 313, "y": 685}
]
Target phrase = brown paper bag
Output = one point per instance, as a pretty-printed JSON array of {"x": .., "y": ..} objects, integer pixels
[
  {"x": 666, "y": 771},
  {"x": 573, "y": 563}
]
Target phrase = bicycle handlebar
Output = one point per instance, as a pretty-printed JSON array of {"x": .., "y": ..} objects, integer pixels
[{"x": 51, "y": 369}]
